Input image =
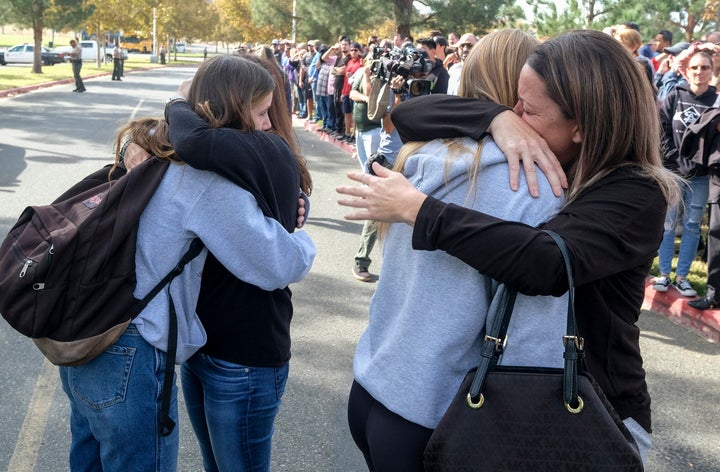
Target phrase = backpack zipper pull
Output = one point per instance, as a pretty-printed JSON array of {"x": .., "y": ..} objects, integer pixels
[{"x": 23, "y": 271}]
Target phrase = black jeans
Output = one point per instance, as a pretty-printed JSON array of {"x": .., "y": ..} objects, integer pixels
[{"x": 389, "y": 442}]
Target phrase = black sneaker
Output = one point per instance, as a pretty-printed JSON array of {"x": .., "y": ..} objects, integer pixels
[{"x": 704, "y": 303}]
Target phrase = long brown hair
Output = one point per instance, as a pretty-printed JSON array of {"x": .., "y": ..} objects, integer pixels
[
  {"x": 596, "y": 82},
  {"x": 215, "y": 96},
  {"x": 280, "y": 117}
]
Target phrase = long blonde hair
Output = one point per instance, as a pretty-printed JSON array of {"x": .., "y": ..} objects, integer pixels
[{"x": 490, "y": 72}]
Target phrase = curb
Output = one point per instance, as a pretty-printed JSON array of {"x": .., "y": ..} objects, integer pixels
[
  {"x": 675, "y": 307},
  {"x": 29, "y": 88},
  {"x": 315, "y": 129}
]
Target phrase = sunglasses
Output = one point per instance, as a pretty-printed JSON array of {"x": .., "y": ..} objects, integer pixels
[
  {"x": 354, "y": 49},
  {"x": 702, "y": 68}
]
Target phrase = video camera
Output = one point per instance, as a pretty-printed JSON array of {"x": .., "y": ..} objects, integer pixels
[{"x": 406, "y": 62}]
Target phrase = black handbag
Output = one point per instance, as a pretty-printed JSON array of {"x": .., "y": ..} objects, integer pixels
[{"x": 530, "y": 418}]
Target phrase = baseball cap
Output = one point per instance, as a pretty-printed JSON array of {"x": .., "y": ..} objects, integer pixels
[
  {"x": 677, "y": 48},
  {"x": 467, "y": 38},
  {"x": 275, "y": 41},
  {"x": 356, "y": 46}
]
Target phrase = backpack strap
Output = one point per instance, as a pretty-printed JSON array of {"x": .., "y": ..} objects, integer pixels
[{"x": 165, "y": 423}]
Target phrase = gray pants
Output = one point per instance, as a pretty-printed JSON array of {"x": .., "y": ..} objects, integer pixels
[
  {"x": 76, "y": 67},
  {"x": 367, "y": 242}
]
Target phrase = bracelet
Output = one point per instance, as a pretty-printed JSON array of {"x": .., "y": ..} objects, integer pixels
[
  {"x": 396, "y": 91},
  {"x": 170, "y": 101}
]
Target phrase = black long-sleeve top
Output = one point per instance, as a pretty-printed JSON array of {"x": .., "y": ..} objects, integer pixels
[
  {"x": 612, "y": 230},
  {"x": 244, "y": 324}
]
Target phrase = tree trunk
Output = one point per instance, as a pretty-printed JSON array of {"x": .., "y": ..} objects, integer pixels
[
  {"x": 37, "y": 53},
  {"x": 403, "y": 16}
]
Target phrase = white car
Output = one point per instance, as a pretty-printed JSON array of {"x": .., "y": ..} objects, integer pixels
[
  {"x": 89, "y": 51},
  {"x": 24, "y": 54}
]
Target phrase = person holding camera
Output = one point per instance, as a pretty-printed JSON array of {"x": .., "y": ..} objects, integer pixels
[
  {"x": 386, "y": 154},
  {"x": 438, "y": 74}
]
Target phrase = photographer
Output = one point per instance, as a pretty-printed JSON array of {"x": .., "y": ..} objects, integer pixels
[
  {"x": 390, "y": 142},
  {"x": 438, "y": 74}
]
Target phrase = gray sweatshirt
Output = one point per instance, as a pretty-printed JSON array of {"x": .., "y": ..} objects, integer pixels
[
  {"x": 429, "y": 311},
  {"x": 190, "y": 203}
]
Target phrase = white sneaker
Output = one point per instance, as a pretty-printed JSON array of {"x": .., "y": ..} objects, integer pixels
[
  {"x": 684, "y": 287},
  {"x": 661, "y": 284}
]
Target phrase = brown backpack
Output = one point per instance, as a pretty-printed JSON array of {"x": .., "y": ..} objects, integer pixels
[{"x": 67, "y": 270}]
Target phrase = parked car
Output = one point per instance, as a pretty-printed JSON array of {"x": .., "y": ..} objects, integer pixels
[
  {"x": 89, "y": 51},
  {"x": 23, "y": 53}
]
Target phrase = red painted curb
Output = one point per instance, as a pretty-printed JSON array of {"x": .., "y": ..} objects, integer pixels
[
  {"x": 675, "y": 307},
  {"x": 314, "y": 128}
]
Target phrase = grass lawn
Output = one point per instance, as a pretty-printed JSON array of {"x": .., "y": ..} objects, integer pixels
[{"x": 20, "y": 75}]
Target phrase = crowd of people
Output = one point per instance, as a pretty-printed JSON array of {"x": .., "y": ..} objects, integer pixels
[{"x": 443, "y": 127}]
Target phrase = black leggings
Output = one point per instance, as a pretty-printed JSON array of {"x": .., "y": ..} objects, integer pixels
[{"x": 389, "y": 442}]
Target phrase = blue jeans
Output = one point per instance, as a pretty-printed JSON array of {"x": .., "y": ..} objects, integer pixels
[
  {"x": 114, "y": 409},
  {"x": 694, "y": 201},
  {"x": 321, "y": 112},
  {"x": 232, "y": 409},
  {"x": 368, "y": 143}
]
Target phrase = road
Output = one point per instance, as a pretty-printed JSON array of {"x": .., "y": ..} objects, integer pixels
[{"x": 52, "y": 137}]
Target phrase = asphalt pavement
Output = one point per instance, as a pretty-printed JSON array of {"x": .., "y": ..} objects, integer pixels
[{"x": 53, "y": 137}]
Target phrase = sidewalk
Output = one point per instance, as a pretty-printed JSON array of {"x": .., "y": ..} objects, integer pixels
[
  {"x": 675, "y": 307},
  {"x": 705, "y": 322}
]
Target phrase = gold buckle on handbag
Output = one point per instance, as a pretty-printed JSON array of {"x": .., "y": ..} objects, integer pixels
[
  {"x": 499, "y": 343},
  {"x": 579, "y": 342}
]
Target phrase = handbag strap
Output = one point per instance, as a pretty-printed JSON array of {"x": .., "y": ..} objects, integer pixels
[{"x": 496, "y": 339}]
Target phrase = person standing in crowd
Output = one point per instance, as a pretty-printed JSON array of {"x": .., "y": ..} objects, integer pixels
[
  {"x": 440, "y": 48},
  {"x": 387, "y": 152},
  {"x": 324, "y": 98},
  {"x": 631, "y": 39},
  {"x": 613, "y": 217},
  {"x": 438, "y": 74},
  {"x": 668, "y": 76},
  {"x": 462, "y": 49},
  {"x": 662, "y": 40},
  {"x": 117, "y": 62},
  {"x": 367, "y": 130},
  {"x": 679, "y": 110},
  {"x": 76, "y": 61},
  {"x": 112, "y": 431},
  {"x": 352, "y": 65},
  {"x": 342, "y": 52}
]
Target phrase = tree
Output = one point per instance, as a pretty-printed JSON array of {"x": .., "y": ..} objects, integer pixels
[
  {"x": 31, "y": 13},
  {"x": 464, "y": 16}
]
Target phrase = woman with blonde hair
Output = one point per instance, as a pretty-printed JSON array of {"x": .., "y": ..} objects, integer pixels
[
  {"x": 606, "y": 138},
  {"x": 429, "y": 309}
]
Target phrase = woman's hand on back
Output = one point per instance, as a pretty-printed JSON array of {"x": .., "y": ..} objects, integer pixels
[
  {"x": 386, "y": 196},
  {"x": 521, "y": 143}
]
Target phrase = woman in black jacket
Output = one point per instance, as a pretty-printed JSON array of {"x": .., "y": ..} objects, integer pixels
[{"x": 616, "y": 200}]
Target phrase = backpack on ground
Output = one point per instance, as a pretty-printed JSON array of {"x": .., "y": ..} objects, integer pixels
[{"x": 67, "y": 270}]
